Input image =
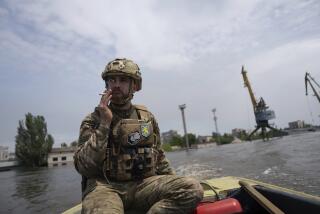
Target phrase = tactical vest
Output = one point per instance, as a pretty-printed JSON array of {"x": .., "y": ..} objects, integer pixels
[{"x": 130, "y": 153}]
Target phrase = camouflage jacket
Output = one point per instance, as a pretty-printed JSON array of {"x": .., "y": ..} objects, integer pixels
[{"x": 90, "y": 155}]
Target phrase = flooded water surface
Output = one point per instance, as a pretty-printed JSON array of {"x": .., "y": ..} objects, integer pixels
[{"x": 292, "y": 161}]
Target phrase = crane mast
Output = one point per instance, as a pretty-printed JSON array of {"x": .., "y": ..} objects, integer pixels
[
  {"x": 248, "y": 85},
  {"x": 307, "y": 79}
]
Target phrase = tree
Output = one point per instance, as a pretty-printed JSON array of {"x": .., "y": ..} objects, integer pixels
[
  {"x": 176, "y": 141},
  {"x": 191, "y": 139},
  {"x": 225, "y": 139},
  {"x": 74, "y": 143},
  {"x": 166, "y": 147},
  {"x": 243, "y": 135},
  {"x": 33, "y": 143},
  {"x": 64, "y": 145}
]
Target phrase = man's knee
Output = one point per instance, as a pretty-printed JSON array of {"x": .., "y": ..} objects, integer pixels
[
  {"x": 184, "y": 190},
  {"x": 193, "y": 188},
  {"x": 102, "y": 200},
  {"x": 181, "y": 195},
  {"x": 196, "y": 186}
]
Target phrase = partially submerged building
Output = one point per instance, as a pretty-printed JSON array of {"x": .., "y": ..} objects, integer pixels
[
  {"x": 61, "y": 156},
  {"x": 205, "y": 139},
  {"x": 166, "y": 137},
  {"x": 4, "y": 153},
  {"x": 296, "y": 124},
  {"x": 238, "y": 132}
]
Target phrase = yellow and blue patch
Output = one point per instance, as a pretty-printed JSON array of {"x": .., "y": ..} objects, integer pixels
[{"x": 145, "y": 130}]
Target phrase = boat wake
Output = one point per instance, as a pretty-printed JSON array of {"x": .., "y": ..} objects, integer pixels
[{"x": 199, "y": 171}]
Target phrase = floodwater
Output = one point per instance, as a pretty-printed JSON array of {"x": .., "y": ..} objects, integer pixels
[{"x": 292, "y": 161}]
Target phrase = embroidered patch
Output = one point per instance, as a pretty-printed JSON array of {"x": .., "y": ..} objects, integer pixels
[
  {"x": 134, "y": 138},
  {"x": 145, "y": 132}
]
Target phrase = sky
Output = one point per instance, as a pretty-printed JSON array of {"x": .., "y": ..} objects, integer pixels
[{"x": 52, "y": 54}]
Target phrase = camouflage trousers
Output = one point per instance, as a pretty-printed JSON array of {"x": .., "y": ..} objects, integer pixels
[{"x": 163, "y": 194}]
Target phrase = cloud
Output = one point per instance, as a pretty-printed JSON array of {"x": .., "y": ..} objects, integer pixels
[{"x": 52, "y": 52}]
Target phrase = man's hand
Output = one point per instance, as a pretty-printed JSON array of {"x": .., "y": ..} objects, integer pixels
[{"x": 104, "y": 110}]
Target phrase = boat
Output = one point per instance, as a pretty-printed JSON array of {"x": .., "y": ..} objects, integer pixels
[{"x": 228, "y": 195}]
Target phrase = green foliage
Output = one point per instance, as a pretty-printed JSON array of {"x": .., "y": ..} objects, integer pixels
[
  {"x": 166, "y": 147},
  {"x": 256, "y": 136},
  {"x": 277, "y": 133},
  {"x": 176, "y": 141},
  {"x": 33, "y": 143},
  {"x": 307, "y": 125},
  {"x": 181, "y": 141},
  {"x": 191, "y": 138},
  {"x": 225, "y": 139},
  {"x": 243, "y": 135},
  {"x": 64, "y": 145},
  {"x": 269, "y": 134}
]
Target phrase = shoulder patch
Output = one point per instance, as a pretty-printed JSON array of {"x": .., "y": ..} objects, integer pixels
[
  {"x": 143, "y": 112},
  {"x": 141, "y": 107}
]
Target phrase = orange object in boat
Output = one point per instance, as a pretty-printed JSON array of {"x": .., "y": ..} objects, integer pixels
[{"x": 225, "y": 206}]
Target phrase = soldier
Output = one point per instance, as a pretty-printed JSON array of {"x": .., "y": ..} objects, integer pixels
[{"x": 119, "y": 154}]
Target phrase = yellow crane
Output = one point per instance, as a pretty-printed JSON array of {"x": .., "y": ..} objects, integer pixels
[
  {"x": 260, "y": 109},
  {"x": 248, "y": 85}
]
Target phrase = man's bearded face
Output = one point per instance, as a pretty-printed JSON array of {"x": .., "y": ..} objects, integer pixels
[{"x": 120, "y": 86}]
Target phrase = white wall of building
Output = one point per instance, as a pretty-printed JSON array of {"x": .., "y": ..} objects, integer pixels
[
  {"x": 4, "y": 153},
  {"x": 60, "y": 158}
]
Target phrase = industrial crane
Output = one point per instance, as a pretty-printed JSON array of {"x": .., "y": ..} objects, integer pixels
[
  {"x": 307, "y": 80},
  {"x": 260, "y": 109}
]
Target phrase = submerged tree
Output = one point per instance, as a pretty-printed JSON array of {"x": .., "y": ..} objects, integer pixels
[
  {"x": 191, "y": 138},
  {"x": 176, "y": 141},
  {"x": 33, "y": 143}
]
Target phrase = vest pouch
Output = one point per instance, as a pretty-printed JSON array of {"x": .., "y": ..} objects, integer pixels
[
  {"x": 125, "y": 164},
  {"x": 134, "y": 132},
  {"x": 149, "y": 158}
]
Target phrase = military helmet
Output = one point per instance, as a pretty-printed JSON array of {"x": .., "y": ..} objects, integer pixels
[{"x": 123, "y": 66}]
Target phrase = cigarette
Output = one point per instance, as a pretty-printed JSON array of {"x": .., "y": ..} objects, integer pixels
[{"x": 104, "y": 93}]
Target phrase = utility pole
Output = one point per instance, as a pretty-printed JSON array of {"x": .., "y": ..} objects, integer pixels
[
  {"x": 215, "y": 120},
  {"x": 182, "y": 107},
  {"x": 216, "y": 125}
]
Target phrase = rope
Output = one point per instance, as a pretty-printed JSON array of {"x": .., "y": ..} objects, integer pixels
[{"x": 210, "y": 187}]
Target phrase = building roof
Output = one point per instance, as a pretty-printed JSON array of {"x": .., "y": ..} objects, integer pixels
[{"x": 63, "y": 150}]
